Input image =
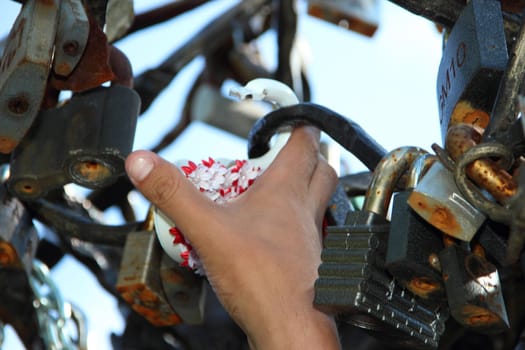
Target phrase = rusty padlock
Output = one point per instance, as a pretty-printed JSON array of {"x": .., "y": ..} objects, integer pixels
[
  {"x": 71, "y": 38},
  {"x": 84, "y": 141},
  {"x": 438, "y": 200},
  {"x": 473, "y": 290},
  {"x": 24, "y": 69},
  {"x": 414, "y": 244},
  {"x": 156, "y": 288},
  {"x": 474, "y": 59},
  {"x": 353, "y": 281}
]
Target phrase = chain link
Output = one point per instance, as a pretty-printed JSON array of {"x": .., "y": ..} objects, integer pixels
[{"x": 54, "y": 314}]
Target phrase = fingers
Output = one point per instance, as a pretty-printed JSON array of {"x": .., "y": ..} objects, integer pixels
[
  {"x": 322, "y": 186},
  {"x": 298, "y": 157},
  {"x": 167, "y": 188}
]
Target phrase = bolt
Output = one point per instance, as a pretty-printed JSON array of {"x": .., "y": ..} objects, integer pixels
[
  {"x": 18, "y": 104},
  {"x": 70, "y": 47}
]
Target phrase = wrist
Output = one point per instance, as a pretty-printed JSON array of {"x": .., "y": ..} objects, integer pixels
[{"x": 296, "y": 329}]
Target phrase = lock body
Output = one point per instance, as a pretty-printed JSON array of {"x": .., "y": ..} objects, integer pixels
[
  {"x": 473, "y": 62},
  {"x": 24, "y": 69},
  {"x": 438, "y": 200},
  {"x": 353, "y": 282},
  {"x": 474, "y": 290},
  {"x": 413, "y": 250},
  {"x": 85, "y": 141},
  {"x": 139, "y": 281}
]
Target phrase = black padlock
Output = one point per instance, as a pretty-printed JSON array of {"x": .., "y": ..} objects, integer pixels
[
  {"x": 84, "y": 141},
  {"x": 474, "y": 59},
  {"x": 413, "y": 251},
  {"x": 473, "y": 289},
  {"x": 353, "y": 281},
  {"x": 413, "y": 244}
]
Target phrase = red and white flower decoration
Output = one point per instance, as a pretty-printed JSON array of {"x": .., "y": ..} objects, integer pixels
[{"x": 218, "y": 182}]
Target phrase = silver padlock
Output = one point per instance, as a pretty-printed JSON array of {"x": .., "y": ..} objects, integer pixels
[
  {"x": 438, "y": 200},
  {"x": 24, "y": 69}
]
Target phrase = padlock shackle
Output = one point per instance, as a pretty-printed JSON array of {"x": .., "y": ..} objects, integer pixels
[
  {"x": 386, "y": 176},
  {"x": 418, "y": 169},
  {"x": 344, "y": 131}
]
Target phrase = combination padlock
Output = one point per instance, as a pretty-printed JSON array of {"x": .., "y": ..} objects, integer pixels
[
  {"x": 84, "y": 141},
  {"x": 473, "y": 288},
  {"x": 474, "y": 59},
  {"x": 353, "y": 281},
  {"x": 412, "y": 255}
]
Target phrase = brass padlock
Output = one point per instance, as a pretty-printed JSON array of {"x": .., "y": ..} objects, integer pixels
[
  {"x": 84, "y": 141},
  {"x": 438, "y": 200}
]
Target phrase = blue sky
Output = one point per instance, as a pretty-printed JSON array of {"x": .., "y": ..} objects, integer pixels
[{"x": 385, "y": 83}]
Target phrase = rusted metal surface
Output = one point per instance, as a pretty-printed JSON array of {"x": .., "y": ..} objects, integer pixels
[
  {"x": 93, "y": 69},
  {"x": 423, "y": 286},
  {"x": 71, "y": 38},
  {"x": 139, "y": 282},
  {"x": 474, "y": 290},
  {"x": 93, "y": 133},
  {"x": 386, "y": 175},
  {"x": 24, "y": 69},
  {"x": 438, "y": 200},
  {"x": 484, "y": 172},
  {"x": 184, "y": 291}
]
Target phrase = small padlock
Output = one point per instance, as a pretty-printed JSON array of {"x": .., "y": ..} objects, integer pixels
[
  {"x": 474, "y": 59},
  {"x": 412, "y": 255},
  {"x": 84, "y": 141},
  {"x": 139, "y": 281},
  {"x": 24, "y": 69},
  {"x": 352, "y": 277},
  {"x": 438, "y": 200},
  {"x": 473, "y": 290},
  {"x": 156, "y": 288}
]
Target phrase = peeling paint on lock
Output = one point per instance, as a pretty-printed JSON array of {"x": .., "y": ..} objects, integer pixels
[
  {"x": 438, "y": 200},
  {"x": 24, "y": 69}
]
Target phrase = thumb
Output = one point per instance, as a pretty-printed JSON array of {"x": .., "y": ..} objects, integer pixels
[{"x": 168, "y": 189}]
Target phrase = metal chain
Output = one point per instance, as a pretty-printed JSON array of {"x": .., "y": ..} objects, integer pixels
[{"x": 54, "y": 314}]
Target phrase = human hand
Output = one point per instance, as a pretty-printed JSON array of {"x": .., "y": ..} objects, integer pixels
[{"x": 262, "y": 249}]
